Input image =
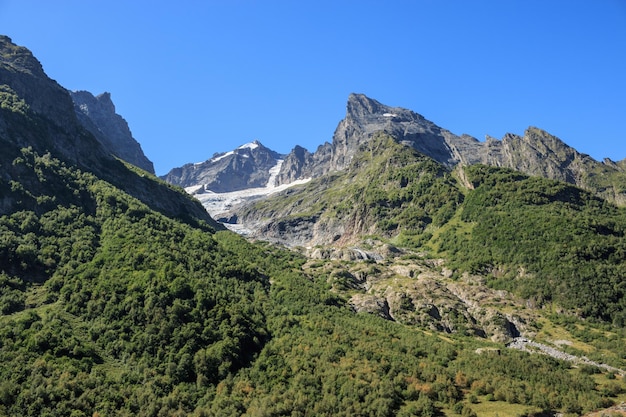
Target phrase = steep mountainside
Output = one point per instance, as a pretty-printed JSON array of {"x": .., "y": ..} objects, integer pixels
[
  {"x": 97, "y": 115},
  {"x": 39, "y": 114}
]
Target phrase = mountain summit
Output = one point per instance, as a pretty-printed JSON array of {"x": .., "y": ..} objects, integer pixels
[{"x": 249, "y": 166}]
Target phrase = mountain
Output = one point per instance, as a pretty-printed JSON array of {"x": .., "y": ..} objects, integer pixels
[
  {"x": 120, "y": 296},
  {"x": 97, "y": 114},
  {"x": 535, "y": 153},
  {"x": 249, "y": 166}
]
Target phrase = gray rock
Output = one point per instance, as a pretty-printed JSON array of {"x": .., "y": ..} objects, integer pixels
[{"x": 97, "y": 114}]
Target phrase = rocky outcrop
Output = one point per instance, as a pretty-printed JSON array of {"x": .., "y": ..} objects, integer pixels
[
  {"x": 421, "y": 292},
  {"x": 297, "y": 165},
  {"x": 97, "y": 114}
]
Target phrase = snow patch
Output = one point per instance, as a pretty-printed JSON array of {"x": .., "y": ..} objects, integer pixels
[
  {"x": 250, "y": 145},
  {"x": 390, "y": 115},
  {"x": 194, "y": 189},
  {"x": 218, "y": 204},
  {"x": 217, "y": 158}
]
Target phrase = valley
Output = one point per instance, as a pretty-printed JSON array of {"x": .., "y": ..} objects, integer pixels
[{"x": 398, "y": 270}]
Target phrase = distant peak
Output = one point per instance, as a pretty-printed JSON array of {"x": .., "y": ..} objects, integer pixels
[{"x": 86, "y": 99}]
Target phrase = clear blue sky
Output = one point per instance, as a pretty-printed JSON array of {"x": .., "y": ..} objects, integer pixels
[{"x": 197, "y": 77}]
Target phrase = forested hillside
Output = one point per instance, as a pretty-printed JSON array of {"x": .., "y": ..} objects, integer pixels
[{"x": 544, "y": 239}]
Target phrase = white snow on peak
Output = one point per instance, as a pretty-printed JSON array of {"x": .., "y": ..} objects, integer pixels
[
  {"x": 250, "y": 145},
  {"x": 390, "y": 115},
  {"x": 217, "y": 158}
]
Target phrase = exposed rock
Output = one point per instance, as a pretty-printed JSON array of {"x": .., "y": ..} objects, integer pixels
[
  {"x": 366, "y": 303},
  {"x": 97, "y": 114},
  {"x": 526, "y": 345},
  {"x": 416, "y": 293},
  {"x": 295, "y": 166},
  {"x": 346, "y": 254}
]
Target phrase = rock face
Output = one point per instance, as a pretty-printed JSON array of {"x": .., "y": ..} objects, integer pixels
[
  {"x": 418, "y": 292},
  {"x": 296, "y": 166},
  {"x": 97, "y": 114},
  {"x": 249, "y": 166},
  {"x": 366, "y": 117}
]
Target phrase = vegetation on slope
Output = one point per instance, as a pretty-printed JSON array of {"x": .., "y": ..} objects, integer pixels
[
  {"x": 113, "y": 305},
  {"x": 108, "y": 307},
  {"x": 389, "y": 189},
  {"x": 543, "y": 239}
]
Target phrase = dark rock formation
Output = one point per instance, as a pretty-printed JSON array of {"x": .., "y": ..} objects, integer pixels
[
  {"x": 97, "y": 114},
  {"x": 296, "y": 166}
]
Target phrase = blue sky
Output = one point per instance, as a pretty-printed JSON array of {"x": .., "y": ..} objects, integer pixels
[{"x": 197, "y": 77}]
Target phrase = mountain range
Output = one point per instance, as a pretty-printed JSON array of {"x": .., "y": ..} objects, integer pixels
[
  {"x": 535, "y": 153},
  {"x": 418, "y": 272}
]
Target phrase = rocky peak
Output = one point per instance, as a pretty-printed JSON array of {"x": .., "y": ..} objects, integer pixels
[
  {"x": 360, "y": 106},
  {"x": 366, "y": 117},
  {"x": 97, "y": 114},
  {"x": 248, "y": 166},
  {"x": 296, "y": 165}
]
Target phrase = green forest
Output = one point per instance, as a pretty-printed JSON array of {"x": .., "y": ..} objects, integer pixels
[{"x": 548, "y": 240}]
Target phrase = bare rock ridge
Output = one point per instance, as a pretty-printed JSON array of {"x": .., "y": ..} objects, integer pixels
[
  {"x": 97, "y": 114},
  {"x": 364, "y": 118},
  {"x": 535, "y": 153}
]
